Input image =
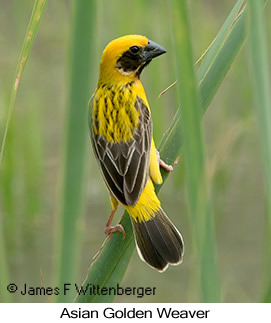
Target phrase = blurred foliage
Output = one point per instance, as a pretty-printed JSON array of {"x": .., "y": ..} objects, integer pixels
[
  {"x": 198, "y": 190},
  {"x": 262, "y": 85},
  {"x": 72, "y": 201},
  {"x": 32, "y": 163}
]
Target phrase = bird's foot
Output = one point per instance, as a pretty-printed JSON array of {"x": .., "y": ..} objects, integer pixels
[
  {"x": 108, "y": 230},
  {"x": 167, "y": 167}
]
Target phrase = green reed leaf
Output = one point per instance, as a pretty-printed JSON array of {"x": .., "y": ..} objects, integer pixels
[
  {"x": 33, "y": 26},
  {"x": 262, "y": 87},
  {"x": 76, "y": 138},
  {"x": 31, "y": 32}
]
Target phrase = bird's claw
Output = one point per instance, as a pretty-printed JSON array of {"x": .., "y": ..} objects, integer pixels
[
  {"x": 167, "y": 167},
  {"x": 108, "y": 230}
]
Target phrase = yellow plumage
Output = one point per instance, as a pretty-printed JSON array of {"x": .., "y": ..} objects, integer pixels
[
  {"x": 118, "y": 102},
  {"x": 147, "y": 205},
  {"x": 121, "y": 132}
]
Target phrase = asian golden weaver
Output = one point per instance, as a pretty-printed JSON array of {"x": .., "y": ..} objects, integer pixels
[{"x": 121, "y": 134}]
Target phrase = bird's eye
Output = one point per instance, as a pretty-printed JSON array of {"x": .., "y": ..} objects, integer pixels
[{"x": 134, "y": 49}]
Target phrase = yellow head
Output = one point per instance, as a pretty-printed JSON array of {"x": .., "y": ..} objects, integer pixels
[{"x": 124, "y": 58}]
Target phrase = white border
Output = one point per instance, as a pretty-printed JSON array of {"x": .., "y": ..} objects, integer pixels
[{"x": 218, "y": 313}]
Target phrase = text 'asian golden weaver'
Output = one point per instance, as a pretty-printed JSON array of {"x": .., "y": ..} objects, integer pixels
[{"x": 121, "y": 133}]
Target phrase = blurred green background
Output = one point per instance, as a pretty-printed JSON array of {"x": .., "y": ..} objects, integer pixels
[{"x": 32, "y": 169}]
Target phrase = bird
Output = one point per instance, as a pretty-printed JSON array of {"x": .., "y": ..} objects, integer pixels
[{"x": 121, "y": 134}]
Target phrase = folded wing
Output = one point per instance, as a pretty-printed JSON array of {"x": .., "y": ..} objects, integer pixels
[{"x": 125, "y": 165}]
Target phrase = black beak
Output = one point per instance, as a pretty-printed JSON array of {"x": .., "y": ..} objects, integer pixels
[{"x": 152, "y": 50}]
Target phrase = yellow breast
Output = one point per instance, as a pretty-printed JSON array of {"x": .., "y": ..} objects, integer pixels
[{"x": 114, "y": 113}]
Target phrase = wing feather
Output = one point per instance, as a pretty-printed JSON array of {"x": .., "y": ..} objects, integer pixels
[{"x": 125, "y": 165}]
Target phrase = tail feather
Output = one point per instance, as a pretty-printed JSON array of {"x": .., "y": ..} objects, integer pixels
[
  {"x": 158, "y": 241},
  {"x": 146, "y": 248}
]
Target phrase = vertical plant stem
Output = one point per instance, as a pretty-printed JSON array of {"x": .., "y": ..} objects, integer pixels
[
  {"x": 76, "y": 135},
  {"x": 198, "y": 190},
  {"x": 262, "y": 88},
  {"x": 33, "y": 26},
  {"x": 32, "y": 29}
]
